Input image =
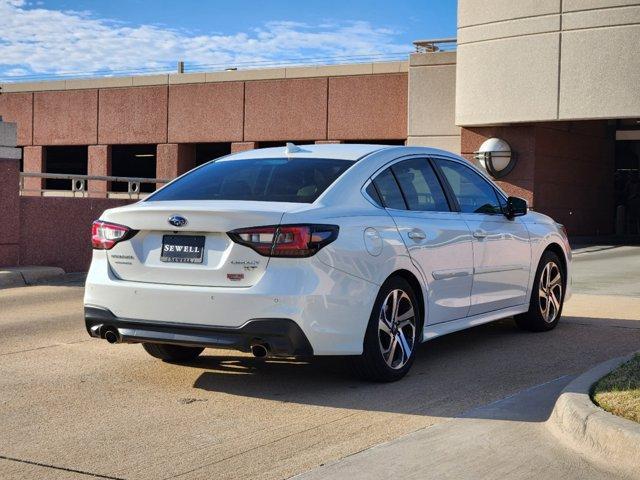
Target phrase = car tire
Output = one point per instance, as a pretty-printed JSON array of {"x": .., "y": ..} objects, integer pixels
[
  {"x": 389, "y": 335},
  {"x": 172, "y": 353},
  {"x": 547, "y": 296}
]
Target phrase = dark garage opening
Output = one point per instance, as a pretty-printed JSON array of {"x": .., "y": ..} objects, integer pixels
[
  {"x": 133, "y": 161},
  {"x": 69, "y": 160},
  {"x": 389, "y": 141},
  {"x": 284, "y": 143},
  {"x": 211, "y": 151}
]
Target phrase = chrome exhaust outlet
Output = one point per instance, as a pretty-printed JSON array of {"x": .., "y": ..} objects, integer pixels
[
  {"x": 259, "y": 350},
  {"x": 112, "y": 335}
]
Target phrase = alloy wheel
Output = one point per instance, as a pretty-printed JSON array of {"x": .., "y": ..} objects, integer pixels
[
  {"x": 550, "y": 292},
  {"x": 397, "y": 329}
]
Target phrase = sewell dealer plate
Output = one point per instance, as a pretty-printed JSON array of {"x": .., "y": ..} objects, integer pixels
[{"x": 182, "y": 248}]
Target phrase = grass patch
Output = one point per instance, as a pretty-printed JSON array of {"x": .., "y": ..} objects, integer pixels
[{"x": 619, "y": 391}]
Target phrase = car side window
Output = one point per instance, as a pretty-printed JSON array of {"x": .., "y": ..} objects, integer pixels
[
  {"x": 420, "y": 186},
  {"x": 388, "y": 190},
  {"x": 373, "y": 194},
  {"x": 474, "y": 193}
]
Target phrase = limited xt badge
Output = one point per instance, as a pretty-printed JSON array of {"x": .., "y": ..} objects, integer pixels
[{"x": 247, "y": 264}]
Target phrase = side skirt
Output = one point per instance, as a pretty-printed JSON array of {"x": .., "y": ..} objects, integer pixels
[{"x": 433, "y": 331}]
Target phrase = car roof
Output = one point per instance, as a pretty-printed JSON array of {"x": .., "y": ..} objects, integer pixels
[
  {"x": 331, "y": 151},
  {"x": 338, "y": 151}
]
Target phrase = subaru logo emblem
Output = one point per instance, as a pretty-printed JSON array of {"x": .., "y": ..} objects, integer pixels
[{"x": 177, "y": 221}]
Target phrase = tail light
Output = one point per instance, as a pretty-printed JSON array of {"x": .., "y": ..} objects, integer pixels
[
  {"x": 105, "y": 235},
  {"x": 286, "y": 240}
]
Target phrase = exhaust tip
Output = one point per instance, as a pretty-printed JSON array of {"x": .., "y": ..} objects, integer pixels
[
  {"x": 259, "y": 350},
  {"x": 111, "y": 335}
]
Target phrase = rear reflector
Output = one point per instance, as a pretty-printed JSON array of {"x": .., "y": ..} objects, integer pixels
[
  {"x": 286, "y": 240},
  {"x": 105, "y": 235}
]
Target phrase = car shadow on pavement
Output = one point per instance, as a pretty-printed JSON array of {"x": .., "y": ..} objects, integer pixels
[{"x": 451, "y": 374}]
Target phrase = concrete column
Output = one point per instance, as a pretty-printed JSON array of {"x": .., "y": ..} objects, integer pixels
[
  {"x": 99, "y": 163},
  {"x": 174, "y": 159},
  {"x": 327, "y": 142},
  {"x": 35, "y": 162},
  {"x": 10, "y": 198},
  {"x": 243, "y": 146}
]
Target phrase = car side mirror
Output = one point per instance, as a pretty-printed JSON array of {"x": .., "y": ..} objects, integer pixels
[{"x": 516, "y": 207}]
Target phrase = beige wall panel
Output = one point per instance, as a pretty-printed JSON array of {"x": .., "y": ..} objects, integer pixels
[
  {"x": 439, "y": 58},
  {"x": 511, "y": 80},
  {"x": 33, "y": 86},
  {"x": 448, "y": 143},
  {"x": 476, "y": 12},
  {"x": 601, "y": 18},
  {"x": 600, "y": 74},
  {"x": 572, "y": 5},
  {"x": 512, "y": 28},
  {"x": 432, "y": 96},
  {"x": 106, "y": 82},
  {"x": 145, "y": 80}
]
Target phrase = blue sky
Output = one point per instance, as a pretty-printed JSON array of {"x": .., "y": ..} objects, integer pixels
[{"x": 56, "y": 37}]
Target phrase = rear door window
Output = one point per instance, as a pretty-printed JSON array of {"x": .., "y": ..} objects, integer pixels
[
  {"x": 389, "y": 191},
  {"x": 299, "y": 180},
  {"x": 420, "y": 186}
]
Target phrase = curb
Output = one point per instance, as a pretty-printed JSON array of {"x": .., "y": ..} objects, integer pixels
[
  {"x": 601, "y": 436},
  {"x": 21, "y": 276}
]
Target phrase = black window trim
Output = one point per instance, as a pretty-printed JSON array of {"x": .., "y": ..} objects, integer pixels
[
  {"x": 498, "y": 194},
  {"x": 404, "y": 197}
]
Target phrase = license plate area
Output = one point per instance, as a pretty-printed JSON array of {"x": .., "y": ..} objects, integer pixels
[{"x": 182, "y": 248}]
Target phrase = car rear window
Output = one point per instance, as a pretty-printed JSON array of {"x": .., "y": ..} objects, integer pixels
[{"x": 269, "y": 180}]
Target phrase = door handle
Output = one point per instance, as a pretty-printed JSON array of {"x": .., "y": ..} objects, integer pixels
[
  {"x": 417, "y": 235},
  {"x": 480, "y": 234}
]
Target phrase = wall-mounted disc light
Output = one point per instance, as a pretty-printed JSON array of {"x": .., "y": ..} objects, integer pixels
[{"x": 496, "y": 157}]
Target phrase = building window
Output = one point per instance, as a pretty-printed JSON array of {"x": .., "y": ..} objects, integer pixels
[
  {"x": 70, "y": 160},
  {"x": 210, "y": 151},
  {"x": 283, "y": 143},
  {"x": 392, "y": 141},
  {"x": 133, "y": 161}
]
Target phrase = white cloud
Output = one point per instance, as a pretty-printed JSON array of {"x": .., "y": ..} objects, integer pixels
[{"x": 45, "y": 41}]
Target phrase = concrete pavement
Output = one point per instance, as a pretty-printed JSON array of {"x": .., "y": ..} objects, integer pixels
[
  {"x": 74, "y": 403},
  {"x": 607, "y": 270},
  {"x": 73, "y": 407},
  {"x": 505, "y": 439},
  {"x": 511, "y": 438}
]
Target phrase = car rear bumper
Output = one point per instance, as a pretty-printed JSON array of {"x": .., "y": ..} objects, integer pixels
[
  {"x": 281, "y": 336},
  {"x": 331, "y": 308}
]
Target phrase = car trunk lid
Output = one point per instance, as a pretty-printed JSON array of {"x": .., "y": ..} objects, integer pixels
[{"x": 146, "y": 256}]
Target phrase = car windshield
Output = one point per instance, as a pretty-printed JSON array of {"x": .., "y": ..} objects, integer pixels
[{"x": 269, "y": 180}]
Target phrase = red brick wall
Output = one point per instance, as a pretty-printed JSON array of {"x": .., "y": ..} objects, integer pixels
[
  {"x": 65, "y": 118},
  {"x": 574, "y": 176},
  {"x": 207, "y": 112},
  {"x": 18, "y": 108},
  {"x": 520, "y": 180},
  {"x": 132, "y": 115},
  {"x": 370, "y": 107},
  {"x": 292, "y": 109},
  {"x": 10, "y": 208},
  {"x": 564, "y": 169},
  {"x": 56, "y": 231},
  {"x": 333, "y": 108}
]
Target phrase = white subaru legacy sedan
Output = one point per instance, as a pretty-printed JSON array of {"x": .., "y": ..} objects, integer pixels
[{"x": 356, "y": 250}]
